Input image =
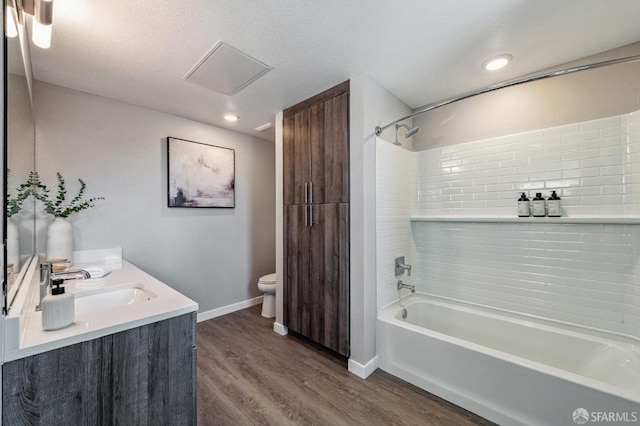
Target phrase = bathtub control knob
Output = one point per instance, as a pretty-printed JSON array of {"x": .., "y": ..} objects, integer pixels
[{"x": 401, "y": 267}]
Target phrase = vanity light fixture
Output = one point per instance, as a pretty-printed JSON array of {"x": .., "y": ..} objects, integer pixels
[
  {"x": 42, "y": 23},
  {"x": 11, "y": 30},
  {"x": 231, "y": 117},
  {"x": 496, "y": 62},
  {"x": 42, "y": 13}
]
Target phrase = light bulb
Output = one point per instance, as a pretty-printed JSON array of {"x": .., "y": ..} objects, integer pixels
[
  {"x": 42, "y": 21},
  {"x": 231, "y": 117},
  {"x": 41, "y": 34},
  {"x": 11, "y": 29},
  {"x": 496, "y": 62}
]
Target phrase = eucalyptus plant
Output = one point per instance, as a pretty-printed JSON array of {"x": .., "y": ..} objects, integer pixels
[
  {"x": 14, "y": 204},
  {"x": 58, "y": 206}
]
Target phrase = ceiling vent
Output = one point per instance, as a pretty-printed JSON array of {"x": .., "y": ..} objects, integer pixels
[{"x": 226, "y": 70}]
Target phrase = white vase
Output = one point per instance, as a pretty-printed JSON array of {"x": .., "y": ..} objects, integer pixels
[
  {"x": 13, "y": 245},
  {"x": 60, "y": 240}
]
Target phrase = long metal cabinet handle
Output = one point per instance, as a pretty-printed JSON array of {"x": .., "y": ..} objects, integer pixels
[
  {"x": 311, "y": 194},
  {"x": 306, "y": 215},
  {"x": 306, "y": 193},
  {"x": 310, "y": 215}
]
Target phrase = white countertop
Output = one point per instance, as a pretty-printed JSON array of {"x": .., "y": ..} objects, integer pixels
[{"x": 33, "y": 339}]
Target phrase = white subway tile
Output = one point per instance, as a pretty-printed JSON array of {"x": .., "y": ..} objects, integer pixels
[
  {"x": 582, "y": 172},
  {"x": 544, "y": 159},
  {"x": 562, "y": 183},
  {"x": 602, "y": 123},
  {"x": 562, "y": 165},
  {"x": 552, "y": 149},
  {"x": 601, "y": 181},
  {"x": 578, "y": 155},
  {"x": 600, "y": 143},
  {"x": 562, "y": 130},
  {"x": 601, "y": 162},
  {"x": 613, "y": 150}
]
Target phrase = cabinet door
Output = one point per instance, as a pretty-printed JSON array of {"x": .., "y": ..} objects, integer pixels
[
  {"x": 330, "y": 276},
  {"x": 142, "y": 376},
  {"x": 329, "y": 136},
  {"x": 296, "y": 157},
  {"x": 297, "y": 288}
]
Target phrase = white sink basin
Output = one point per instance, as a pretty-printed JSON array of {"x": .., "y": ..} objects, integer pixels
[{"x": 112, "y": 297}]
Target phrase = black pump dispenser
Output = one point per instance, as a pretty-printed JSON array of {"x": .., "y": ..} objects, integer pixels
[
  {"x": 58, "y": 289},
  {"x": 538, "y": 204},
  {"x": 555, "y": 210},
  {"x": 523, "y": 206}
]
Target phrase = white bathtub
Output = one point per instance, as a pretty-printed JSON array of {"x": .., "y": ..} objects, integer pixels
[{"x": 508, "y": 368}]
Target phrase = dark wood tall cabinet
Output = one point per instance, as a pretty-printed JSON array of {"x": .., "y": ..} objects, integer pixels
[{"x": 316, "y": 218}]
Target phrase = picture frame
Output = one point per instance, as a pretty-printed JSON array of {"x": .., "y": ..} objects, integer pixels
[{"x": 199, "y": 175}]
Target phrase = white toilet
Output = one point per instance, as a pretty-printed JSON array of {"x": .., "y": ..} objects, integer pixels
[{"x": 267, "y": 285}]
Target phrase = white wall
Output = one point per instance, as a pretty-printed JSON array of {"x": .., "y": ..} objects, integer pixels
[
  {"x": 577, "y": 97},
  {"x": 213, "y": 256},
  {"x": 370, "y": 106}
]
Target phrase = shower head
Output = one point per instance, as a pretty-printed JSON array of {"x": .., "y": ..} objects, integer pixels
[{"x": 410, "y": 132}]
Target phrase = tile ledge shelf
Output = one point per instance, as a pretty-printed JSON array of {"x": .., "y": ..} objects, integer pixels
[{"x": 616, "y": 220}]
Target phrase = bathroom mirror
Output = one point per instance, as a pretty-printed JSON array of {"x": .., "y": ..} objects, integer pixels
[{"x": 20, "y": 160}]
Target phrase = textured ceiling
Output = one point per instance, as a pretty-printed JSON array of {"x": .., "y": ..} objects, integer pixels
[{"x": 420, "y": 50}]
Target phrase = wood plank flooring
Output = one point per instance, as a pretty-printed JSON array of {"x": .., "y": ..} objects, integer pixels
[{"x": 249, "y": 375}]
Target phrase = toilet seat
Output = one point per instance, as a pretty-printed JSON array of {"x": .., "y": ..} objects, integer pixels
[{"x": 267, "y": 279}]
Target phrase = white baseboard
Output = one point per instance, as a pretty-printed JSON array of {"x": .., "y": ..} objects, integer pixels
[
  {"x": 363, "y": 371},
  {"x": 280, "y": 329},
  {"x": 203, "y": 316}
]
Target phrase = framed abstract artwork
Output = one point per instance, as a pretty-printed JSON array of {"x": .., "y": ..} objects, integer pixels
[{"x": 200, "y": 175}]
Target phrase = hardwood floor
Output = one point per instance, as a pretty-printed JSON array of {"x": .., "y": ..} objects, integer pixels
[{"x": 249, "y": 375}]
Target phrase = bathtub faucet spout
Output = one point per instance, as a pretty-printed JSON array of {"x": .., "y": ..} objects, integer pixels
[{"x": 402, "y": 285}]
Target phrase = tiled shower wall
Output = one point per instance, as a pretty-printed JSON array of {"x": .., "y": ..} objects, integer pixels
[
  {"x": 396, "y": 201},
  {"x": 583, "y": 273},
  {"x": 594, "y": 166}
]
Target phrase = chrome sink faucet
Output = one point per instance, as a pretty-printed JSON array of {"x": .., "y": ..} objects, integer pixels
[
  {"x": 46, "y": 270},
  {"x": 47, "y": 276},
  {"x": 72, "y": 274}
]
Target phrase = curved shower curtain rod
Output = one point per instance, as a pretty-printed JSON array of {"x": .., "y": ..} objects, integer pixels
[{"x": 509, "y": 84}]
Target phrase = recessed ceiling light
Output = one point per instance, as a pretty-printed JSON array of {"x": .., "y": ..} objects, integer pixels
[
  {"x": 231, "y": 117},
  {"x": 496, "y": 62}
]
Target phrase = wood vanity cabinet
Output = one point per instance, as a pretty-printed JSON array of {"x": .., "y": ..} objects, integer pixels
[
  {"x": 316, "y": 218},
  {"x": 142, "y": 376}
]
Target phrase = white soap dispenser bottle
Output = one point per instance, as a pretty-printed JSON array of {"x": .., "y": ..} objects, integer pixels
[{"x": 58, "y": 308}]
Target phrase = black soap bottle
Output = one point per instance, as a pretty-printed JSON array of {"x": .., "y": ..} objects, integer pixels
[
  {"x": 538, "y": 207},
  {"x": 553, "y": 205},
  {"x": 523, "y": 206}
]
